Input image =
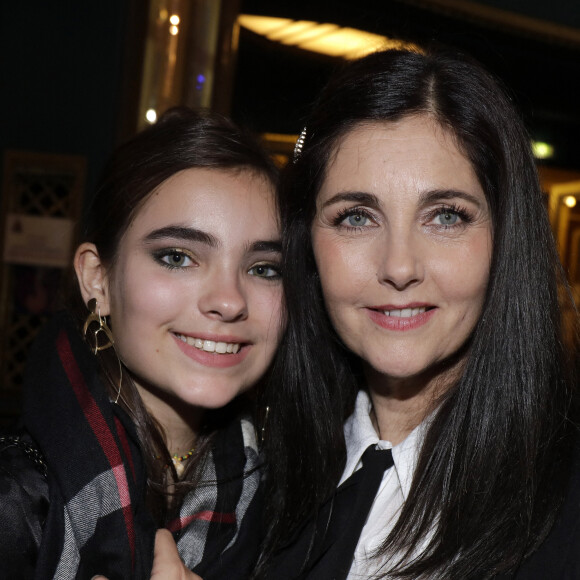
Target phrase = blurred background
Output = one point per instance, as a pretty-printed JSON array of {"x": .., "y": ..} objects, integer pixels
[{"x": 78, "y": 78}]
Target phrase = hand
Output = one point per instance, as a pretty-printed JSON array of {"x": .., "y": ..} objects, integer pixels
[{"x": 167, "y": 564}]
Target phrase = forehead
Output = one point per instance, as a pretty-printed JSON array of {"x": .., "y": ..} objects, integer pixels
[
  {"x": 210, "y": 198},
  {"x": 414, "y": 150}
]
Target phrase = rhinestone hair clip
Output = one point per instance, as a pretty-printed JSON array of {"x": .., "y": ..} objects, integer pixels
[{"x": 299, "y": 145}]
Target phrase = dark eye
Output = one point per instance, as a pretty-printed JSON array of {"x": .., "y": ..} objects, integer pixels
[
  {"x": 265, "y": 271},
  {"x": 175, "y": 259}
]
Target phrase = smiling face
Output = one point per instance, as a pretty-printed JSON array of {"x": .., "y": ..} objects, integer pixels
[
  {"x": 402, "y": 241},
  {"x": 195, "y": 293}
]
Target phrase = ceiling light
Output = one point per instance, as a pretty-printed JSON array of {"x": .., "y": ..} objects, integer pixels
[
  {"x": 323, "y": 38},
  {"x": 151, "y": 116}
]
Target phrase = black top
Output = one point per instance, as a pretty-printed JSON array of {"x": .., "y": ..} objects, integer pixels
[
  {"x": 24, "y": 501},
  {"x": 557, "y": 558}
]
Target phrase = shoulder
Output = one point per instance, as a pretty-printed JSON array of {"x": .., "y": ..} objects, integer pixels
[{"x": 24, "y": 500}]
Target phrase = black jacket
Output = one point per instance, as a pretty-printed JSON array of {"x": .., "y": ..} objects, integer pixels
[
  {"x": 557, "y": 558},
  {"x": 24, "y": 504}
]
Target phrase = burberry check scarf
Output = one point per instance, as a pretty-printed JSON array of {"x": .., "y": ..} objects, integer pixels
[{"x": 97, "y": 521}]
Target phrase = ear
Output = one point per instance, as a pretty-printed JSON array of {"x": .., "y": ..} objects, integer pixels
[{"x": 92, "y": 276}]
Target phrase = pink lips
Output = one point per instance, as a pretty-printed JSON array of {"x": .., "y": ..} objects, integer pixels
[
  {"x": 213, "y": 359},
  {"x": 395, "y": 323}
]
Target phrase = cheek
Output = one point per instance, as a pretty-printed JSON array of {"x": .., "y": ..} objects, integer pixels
[
  {"x": 465, "y": 273},
  {"x": 137, "y": 304},
  {"x": 479, "y": 259},
  {"x": 344, "y": 268}
]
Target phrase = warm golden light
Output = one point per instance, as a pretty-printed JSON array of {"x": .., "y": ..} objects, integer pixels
[
  {"x": 263, "y": 25},
  {"x": 542, "y": 150},
  {"x": 346, "y": 42},
  {"x": 323, "y": 38},
  {"x": 570, "y": 201},
  {"x": 174, "y": 19},
  {"x": 174, "y": 30},
  {"x": 292, "y": 31},
  {"x": 151, "y": 116}
]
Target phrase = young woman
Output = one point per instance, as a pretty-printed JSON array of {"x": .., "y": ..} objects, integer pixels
[
  {"x": 132, "y": 409},
  {"x": 423, "y": 305}
]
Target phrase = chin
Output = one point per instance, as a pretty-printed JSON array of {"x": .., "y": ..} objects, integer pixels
[
  {"x": 214, "y": 399},
  {"x": 398, "y": 372}
]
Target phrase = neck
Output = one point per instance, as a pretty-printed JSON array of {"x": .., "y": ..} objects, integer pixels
[
  {"x": 181, "y": 422},
  {"x": 400, "y": 404}
]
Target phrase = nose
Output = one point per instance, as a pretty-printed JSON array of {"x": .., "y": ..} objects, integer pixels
[
  {"x": 401, "y": 262},
  {"x": 224, "y": 298}
]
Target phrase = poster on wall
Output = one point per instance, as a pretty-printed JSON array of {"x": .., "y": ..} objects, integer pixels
[{"x": 38, "y": 240}]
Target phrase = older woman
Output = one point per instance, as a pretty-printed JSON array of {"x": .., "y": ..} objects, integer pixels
[{"x": 423, "y": 303}]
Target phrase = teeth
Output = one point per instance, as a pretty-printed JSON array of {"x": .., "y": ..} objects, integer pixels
[
  {"x": 405, "y": 312},
  {"x": 211, "y": 345}
]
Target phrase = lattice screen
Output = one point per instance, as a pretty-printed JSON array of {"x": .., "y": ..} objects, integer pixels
[{"x": 33, "y": 185}]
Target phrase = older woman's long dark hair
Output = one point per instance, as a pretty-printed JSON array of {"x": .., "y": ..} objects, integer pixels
[
  {"x": 493, "y": 468},
  {"x": 181, "y": 139}
]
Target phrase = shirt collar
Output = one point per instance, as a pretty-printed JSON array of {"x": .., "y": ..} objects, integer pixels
[{"x": 359, "y": 433}]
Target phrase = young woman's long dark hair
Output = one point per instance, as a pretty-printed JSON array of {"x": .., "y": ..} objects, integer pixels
[
  {"x": 492, "y": 471},
  {"x": 181, "y": 139}
]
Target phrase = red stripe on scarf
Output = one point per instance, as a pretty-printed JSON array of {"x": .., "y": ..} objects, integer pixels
[
  {"x": 101, "y": 430},
  {"x": 125, "y": 444},
  {"x": 206, "y": 515}
]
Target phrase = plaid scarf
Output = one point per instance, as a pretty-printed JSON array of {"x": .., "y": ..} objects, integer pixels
[{"x": 97, "y": 521}]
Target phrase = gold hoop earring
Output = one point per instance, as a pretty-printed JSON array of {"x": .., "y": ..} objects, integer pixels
[
  {"x": 116, "y": 401},
  {"x": 95, "y": 317}
]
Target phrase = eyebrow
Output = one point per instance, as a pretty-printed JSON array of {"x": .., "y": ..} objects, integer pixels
[
  {"x": 267, "y": 246},
  {"x": 182, "y": 233},
  {"x": 425, "y": 198},
  {"x": 435, "y": 195},
  {"x": 354, "y": 196},
  {"x": 195, "y": 235}
]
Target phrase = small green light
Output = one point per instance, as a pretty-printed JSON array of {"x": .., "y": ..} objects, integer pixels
[{"x": 542, "y": 150}]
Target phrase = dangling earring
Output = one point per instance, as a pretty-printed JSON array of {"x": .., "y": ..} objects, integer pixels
[
  {"x": 114, "y": 380},
  {"x": 95, "y": 316},
  {"x": 120, "y": 378}
]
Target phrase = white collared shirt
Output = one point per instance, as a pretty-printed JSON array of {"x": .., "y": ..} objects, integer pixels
[{"x": 394, "y": 489}]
